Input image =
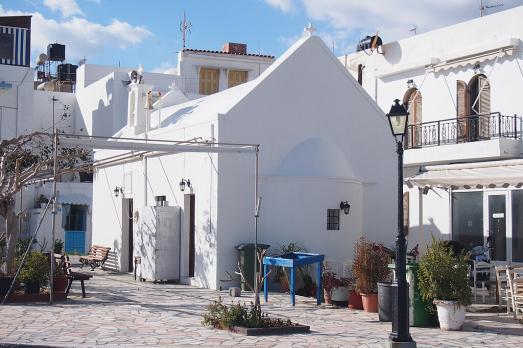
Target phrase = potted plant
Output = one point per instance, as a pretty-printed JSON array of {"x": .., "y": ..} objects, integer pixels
[
  {"x": 334, "y": 289},
  {"x": 443, "y": 280},
  {"x": 5, "y": 282},
  {"x": 370, "y": 267},
  {"x": 34, "y": 273},
  {"x": 58, "y": 246},
  {"x": 60, "y": 280}
]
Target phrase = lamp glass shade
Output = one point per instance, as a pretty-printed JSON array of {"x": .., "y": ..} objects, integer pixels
[
  {"x": 398, "y": 119},
  {"x": 397, "y": 124},
  {"x": 116, "y": 192},
  {"x": 182, "y": 185}
]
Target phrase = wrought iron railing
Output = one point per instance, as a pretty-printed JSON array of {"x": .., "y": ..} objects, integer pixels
[{"x": 463, "y": 130}]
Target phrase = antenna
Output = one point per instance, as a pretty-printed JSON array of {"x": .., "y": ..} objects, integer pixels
[
  {"x": 185, "y": 26},
  {"x": 483, "y": 7}
]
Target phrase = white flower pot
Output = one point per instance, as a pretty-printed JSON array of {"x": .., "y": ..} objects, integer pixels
[
  {"x": 340, "y": 294},
  {"x": 451, "y": 315}
]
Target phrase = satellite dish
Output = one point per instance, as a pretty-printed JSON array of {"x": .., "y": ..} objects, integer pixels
[{"x": 40, "y": 60}]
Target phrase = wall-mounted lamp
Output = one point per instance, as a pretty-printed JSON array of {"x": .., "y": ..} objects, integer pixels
[
  {"x": 184, "y": 182},
  {"x": 345, "y": 206},
  {"x": 476, "y": 68},
  {"x": 410, "y": 83},
  {"x": 117, "y": 191}
]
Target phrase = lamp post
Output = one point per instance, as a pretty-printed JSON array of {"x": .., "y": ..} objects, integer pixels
[{"x": 400, "y": 336}]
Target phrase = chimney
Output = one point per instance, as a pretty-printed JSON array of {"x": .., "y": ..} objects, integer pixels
[{"x": 234, "y": 48}]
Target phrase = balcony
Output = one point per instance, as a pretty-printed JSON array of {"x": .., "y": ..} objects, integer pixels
[{"x": 477, "y": 137}]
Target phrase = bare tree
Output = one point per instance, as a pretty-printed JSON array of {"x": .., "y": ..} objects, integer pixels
[{"x": 26, "y": 159}]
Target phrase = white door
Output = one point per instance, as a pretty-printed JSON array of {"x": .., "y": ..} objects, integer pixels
[{"x": 497, "y": 229}]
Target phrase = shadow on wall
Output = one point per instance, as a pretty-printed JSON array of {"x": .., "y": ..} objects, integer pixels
[
  {"x": 205, "y": 248},
  {"x": 422, "y": 235},
  {"x": 145, "y": 241},
  {"x": 112, "y": 261},
  {"x": 102, "y": 118}
]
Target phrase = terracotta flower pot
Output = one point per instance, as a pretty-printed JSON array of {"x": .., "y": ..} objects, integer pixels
[
  {"x": 370, "y": 302},
  {"x": 60, "y": 283},
  {"x": 355, "y": 300}
]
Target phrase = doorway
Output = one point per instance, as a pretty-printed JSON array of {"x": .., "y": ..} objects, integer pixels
[
  {"x": 130, "y": 234},
  {"x": 495, "y": 225},
  {"x": 127, "y": 252},
  {"x": 189, "y": 215}
]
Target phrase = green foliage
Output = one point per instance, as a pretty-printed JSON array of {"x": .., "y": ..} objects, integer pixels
[
  {"x": 221, "y": 316},
  {"x": 442, "y": 276},
  {"x": 370, "y": 265},
  {"x": 36, "y": 268},
  {"x": 58, "y": 246},
  {"x": 22, "y": 245}
]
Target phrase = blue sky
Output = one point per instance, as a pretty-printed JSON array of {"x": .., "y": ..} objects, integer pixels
[{"x": 131, "y": 32}]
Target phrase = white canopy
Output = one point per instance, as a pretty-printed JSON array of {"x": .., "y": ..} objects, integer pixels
[{"x": 484, "y": 174}]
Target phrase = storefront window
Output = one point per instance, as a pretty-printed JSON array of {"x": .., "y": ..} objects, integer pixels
[
  {"x": 467, "y": 218},
  {"x": 517, "y": 225}
]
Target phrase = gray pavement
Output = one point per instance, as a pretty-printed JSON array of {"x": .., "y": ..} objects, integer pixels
[{"x": 121, "y": 312}]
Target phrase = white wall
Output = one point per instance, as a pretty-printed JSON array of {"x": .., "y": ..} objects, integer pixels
[
  {"x": 320, "y": 105},
  {"x": 439, "y": 89}
]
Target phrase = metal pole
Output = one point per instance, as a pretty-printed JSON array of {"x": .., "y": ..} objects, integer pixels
[
  {"x": 400, "y": 325},
  {"x": 20, "y": 213},
  {"x": 256, "y": 214},
  {"x": 55, "y": 176}
]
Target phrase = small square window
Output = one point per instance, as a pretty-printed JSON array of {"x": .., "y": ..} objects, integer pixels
[{"x": 333, "y": 219}]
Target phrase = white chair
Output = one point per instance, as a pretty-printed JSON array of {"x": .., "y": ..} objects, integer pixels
[
  {"x": 516, "y": 289},
  {"x": 480, "y": 267},
  {"x": 504, "y": 293}
]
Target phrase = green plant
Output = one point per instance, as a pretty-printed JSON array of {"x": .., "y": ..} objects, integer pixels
[
  {"x": 370, "y": 265},
  {"x": 221, "y": 316},
  {"x": 22, "y": 245},
  {"x": 443, "y": 276},
  {"x": 35, "y": 268},
  {"x": 58, "y": 246}
]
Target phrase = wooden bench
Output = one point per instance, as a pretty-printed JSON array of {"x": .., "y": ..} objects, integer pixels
[
  {"x": 71, "y": 276},
  {"x": 96, "y": 257}
]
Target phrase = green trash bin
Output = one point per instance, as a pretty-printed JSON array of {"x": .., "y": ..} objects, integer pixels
[
  {"x": 418, "y": 307},
  {"x": 418, "y": 314},
  {"x": 246, "y": 260}
]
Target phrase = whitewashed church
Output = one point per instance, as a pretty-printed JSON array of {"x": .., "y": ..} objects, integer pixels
[{"x": 312, "y": 122}]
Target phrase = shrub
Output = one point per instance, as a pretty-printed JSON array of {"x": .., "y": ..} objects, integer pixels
[
  {"x": 370, "y": 265},
  {"x": 58, "y": 246},
  {"x": 36, "y": 268},
  {"x": 221, "y": 316},
  {"x": 443, "y": 276}
]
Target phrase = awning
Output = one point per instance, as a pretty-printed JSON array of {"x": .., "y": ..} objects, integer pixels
[
  {"x": 473, "y": 175},
  {"x": 73, "y": 198},
  {"x": 480, "y": 54}
]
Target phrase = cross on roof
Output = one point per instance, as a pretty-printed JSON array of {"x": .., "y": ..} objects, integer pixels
[{"x": 309, "y": 29}]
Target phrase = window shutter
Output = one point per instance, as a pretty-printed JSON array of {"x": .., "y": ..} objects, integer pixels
[
  {"x": 484, "y": 106},
  {"x": 461, "y": 99},
  {"x": 462, "y": 109}
]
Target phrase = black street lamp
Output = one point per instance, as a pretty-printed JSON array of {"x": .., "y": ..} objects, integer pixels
[{"x": 400, "y": 336}]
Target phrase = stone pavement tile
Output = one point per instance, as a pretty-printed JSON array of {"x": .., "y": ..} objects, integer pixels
[{"x": 120, "y": 312}]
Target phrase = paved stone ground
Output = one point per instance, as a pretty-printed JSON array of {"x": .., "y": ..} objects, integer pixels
[{"x": 121, "y": 312}]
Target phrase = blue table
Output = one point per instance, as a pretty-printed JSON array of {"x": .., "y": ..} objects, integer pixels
[{"x": 293, "y": 260}]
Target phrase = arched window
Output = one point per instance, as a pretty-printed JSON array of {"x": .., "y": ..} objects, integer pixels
[{"x": 412, "y": 100}]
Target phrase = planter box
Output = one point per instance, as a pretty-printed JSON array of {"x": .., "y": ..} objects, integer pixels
[
  {"x": 42, "y": 297},
  {"x": 248, "y": 331}
]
